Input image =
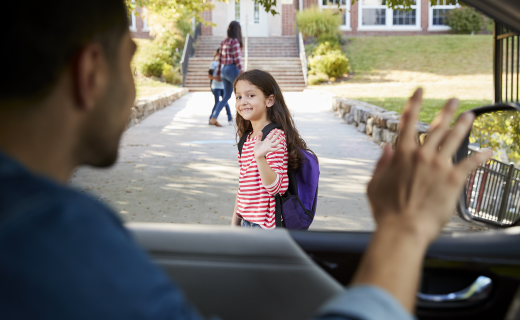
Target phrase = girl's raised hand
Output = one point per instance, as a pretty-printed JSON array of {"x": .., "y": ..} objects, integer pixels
[{"x": 271, "y": 143}]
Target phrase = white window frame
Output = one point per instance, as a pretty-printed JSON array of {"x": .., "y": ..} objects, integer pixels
[
  {"x": 431, "y": 27},
  {"x": 145, "y": 26},
  {"x": 346, "y": 12},
  {"x": 389, "y": 19},
  {"x": 133, "y": 27}
]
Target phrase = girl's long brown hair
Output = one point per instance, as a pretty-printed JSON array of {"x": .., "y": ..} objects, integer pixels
[{"x": 278, "y": 113}]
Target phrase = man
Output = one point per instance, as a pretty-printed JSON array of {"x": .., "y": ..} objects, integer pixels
[{"x": 65, "y": 99}]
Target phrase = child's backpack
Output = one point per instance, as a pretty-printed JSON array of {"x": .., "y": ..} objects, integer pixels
[{"x": 297, "y": 205}]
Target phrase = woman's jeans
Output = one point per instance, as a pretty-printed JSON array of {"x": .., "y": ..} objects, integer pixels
[
  {"x": 228, "y": 74},
  {"x": 217, "y": 93}
]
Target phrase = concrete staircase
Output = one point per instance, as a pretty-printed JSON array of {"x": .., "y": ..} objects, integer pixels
[{"x": 276, "y": 55}]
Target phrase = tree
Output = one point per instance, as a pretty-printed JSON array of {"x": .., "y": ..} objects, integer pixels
[{"x": 499, "y": 131}]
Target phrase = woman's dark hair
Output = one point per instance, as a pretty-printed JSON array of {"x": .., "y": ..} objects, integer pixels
[
  {"x": 235, "y": 31},
  {"x": 278, "y": 113},
  {"x": 216, "y": 53}
]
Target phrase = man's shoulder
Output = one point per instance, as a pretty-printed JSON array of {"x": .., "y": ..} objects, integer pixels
[{"x": 25, "y": 197}]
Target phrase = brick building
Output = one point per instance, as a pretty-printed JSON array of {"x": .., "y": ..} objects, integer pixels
[
  {"x": 363, "y": 18},
  {"x": 138, "y": 26}
]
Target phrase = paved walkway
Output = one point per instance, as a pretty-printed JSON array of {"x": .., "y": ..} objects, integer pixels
[{"x": 175, "y": 168}]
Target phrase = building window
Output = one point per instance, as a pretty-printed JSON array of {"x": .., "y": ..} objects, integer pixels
[
  {"x": 404, "y": 18},
  {"x": 341, "y": 7},
  {"x": 374, "y": 12},
  {"x": 257, "y": 12},
  {"x": 132, "y": 22},
  {"x": 375, "y": 15},
  {"x": 439, "y": 13},
  {"x": 237, "y": 10}
]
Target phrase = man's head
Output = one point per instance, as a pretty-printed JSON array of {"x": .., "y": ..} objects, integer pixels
[{"x": 72, "y": 58}]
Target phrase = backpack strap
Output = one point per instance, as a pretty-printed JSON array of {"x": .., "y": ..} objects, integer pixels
[
  {"x": 265, "y": 131},
  {"x": 242, "y": 141}
]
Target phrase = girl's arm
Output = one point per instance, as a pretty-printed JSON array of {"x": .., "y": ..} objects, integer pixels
[
  {"x": 235, "y": 220},
  {"x": 271, "y": 174}
]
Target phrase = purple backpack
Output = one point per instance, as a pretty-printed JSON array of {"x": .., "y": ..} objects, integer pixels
[{"x": 297, "y": 205}]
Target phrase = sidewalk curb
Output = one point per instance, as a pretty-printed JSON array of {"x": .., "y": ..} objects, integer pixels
[{"x": 144, "y": 107}]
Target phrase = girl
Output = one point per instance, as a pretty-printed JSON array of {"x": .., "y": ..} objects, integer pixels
[
  {"x": 263, "y": 164},
  {"x": 217, "y": 87},
  {"x": 229, "y": 67}
]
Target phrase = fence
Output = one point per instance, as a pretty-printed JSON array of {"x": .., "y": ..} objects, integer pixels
[
  {"x": 493, "y": 193},
  {"x": 506, "y": 64}
]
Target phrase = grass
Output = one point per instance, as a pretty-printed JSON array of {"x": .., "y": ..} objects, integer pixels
[
  {"x": 148, "y": 87},
  {"x": 439, "y": 54},
  {"x": 386, "y": 71},
  {"x": 430, "y": 107}
]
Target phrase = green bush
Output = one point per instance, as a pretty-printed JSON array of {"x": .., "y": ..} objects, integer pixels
[
  {"x": 170, "y": 75},
  {"x": 465, "y": 20},
  {"x": 315, "y": 23},
  {"x": 314, "y": 79},
  {"x": 151, "y": 58},
  {"x": 326, "y": 47},
  {"x": 333, "y": 64}
]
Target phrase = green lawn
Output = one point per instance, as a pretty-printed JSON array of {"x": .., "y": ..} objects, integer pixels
[
  {"x": 437, "y": 54},
  {"x": 148, "y": 87},
  {"x": 430, "y": 107},
  {"x": 386, "y": 71}
]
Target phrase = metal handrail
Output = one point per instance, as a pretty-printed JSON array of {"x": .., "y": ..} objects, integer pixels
[
  {"x": 186, "y": 54},
  {"x": 303, "y": 56},
  {"x": 246, "y": 54}
]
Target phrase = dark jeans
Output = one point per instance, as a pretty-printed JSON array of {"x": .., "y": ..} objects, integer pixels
[
  {"x": 228, "y": 74},
  {"x": 217, "y": 93}
]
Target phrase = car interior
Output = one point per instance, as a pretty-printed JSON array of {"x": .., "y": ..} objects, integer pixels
[{"x": 291, "y": 273}]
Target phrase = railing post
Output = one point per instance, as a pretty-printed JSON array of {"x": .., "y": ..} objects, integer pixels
[
  {"x": 303, "y": 56},
  {"x": 505, "y": 195},
  {"x": 186, "y": 53},
  {"x": 246, "y": 54},
  {"x": 497, "y": 61}
]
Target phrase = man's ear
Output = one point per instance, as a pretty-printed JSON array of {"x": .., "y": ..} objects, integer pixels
[
  {"x": 270, "y": 101},
  {"x": 90, "y": 76}
]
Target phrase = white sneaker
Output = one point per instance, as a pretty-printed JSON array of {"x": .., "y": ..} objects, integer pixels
[{"x": 230, "y": 122}]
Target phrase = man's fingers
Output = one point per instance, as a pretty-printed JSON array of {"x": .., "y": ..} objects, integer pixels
[
  {"x": 383, "y": 162},
  {"x": 456, "y": 135},
  {"x": 440, "y": 125},
  {"x": 468, "y": 165},
  {"x": 409, "y": 120}
]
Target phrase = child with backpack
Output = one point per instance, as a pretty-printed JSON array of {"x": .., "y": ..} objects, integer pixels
[
  {"x": 278, "y": 181},
  {"x": 217, "y": 88}
]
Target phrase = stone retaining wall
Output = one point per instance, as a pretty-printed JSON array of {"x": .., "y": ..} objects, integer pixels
[
  {"x": 381, "y": 124},
  {"x": 144, "y": 107}
]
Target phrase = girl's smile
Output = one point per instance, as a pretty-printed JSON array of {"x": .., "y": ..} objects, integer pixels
[{"x": 251, "y": 102}]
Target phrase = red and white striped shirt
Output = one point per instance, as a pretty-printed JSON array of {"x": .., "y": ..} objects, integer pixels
[{"x": 255, "y": 201}]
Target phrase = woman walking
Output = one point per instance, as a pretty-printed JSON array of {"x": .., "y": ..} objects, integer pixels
[{"x": 229, "y": 67}]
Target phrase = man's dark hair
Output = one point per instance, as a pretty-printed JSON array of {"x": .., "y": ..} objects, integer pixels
[{"x": 44, "y": 36}]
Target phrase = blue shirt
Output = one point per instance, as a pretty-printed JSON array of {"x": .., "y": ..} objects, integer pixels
[
  {"x": 64, "y": 256},
  {"x": 215, "y": 84}
]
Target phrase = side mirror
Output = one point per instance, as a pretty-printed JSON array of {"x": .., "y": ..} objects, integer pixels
[{"x": 491, "y": 194}]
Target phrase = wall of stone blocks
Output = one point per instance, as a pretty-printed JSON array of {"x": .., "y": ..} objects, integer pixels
[
  {"x": 146, "y": 106},
  {"x": 380, "y": 124}
]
